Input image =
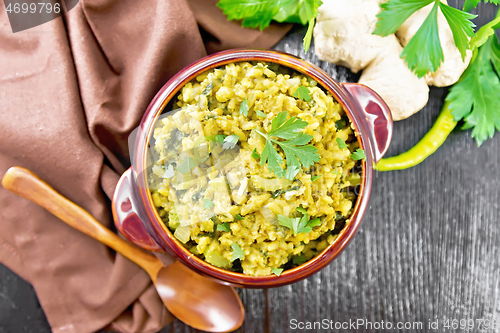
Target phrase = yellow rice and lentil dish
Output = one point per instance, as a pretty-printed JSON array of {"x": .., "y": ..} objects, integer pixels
[{"x": 254, "y": 171}]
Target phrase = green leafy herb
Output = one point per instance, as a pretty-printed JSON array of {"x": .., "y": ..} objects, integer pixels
[
  {"x": 186, "y": 165},
  {"x": 238, "y": 217},
  {"x": 261, "y": 114},
  {"x": 208, "y": 89},
  {"x": 337, "y": 173},
  {"x": 169, "y": 171},
  {"x": 341, "y": 143},
  {"x": 238, "y": 253},
  {"x": 260, "y": 13},
  {"x": 299, "y": 224},
  {"x": 230, "y": 141},
  {"x": 244, "y": 107},
  {"x": 255, "y": 154},
  {"x": 395, "y": 12},
  {"x": 277, "y": 193},
  {"x": 220, "y": 138},
  {"x": 476, "y": 96},
  {"x": 223, "y": 227},
  {"x": 299, "y": 260},
  {"x": 359, "y": 154},
  {"x": 313, "y": 178},
  {"x": 469, "y": 4},
  {"x": 208, "y": 204},
  {"x": 301, "y": 210},
  {"x": 291, "y": 171},
  {"x": 277, "y": 271},
  {"x": 302, "y": 93},
  {"x": 296, "y": 150}
]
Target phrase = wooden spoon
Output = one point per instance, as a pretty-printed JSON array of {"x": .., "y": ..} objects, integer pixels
[{"x": 195, "y": 300}]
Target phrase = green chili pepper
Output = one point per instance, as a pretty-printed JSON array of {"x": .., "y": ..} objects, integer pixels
[{"x": 444, "y": 125}]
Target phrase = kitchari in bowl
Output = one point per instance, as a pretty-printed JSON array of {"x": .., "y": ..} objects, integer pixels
[{"x": 254, "y": 171}]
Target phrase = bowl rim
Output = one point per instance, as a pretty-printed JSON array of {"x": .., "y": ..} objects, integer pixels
[{"x": 174, "y": 247}]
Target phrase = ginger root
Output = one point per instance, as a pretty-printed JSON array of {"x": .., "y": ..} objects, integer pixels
[{"x": 344, "y": 35}]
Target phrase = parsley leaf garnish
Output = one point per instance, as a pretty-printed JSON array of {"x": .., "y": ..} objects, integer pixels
[
  {"x": 302, "y": 93},
  {"x": 476, "y": 96},
  {"x": 220, "y": 138},
  {"x": 244, "y": 107},
  {"x": 296, "y": 150},
  {"x": 223, "y": 227},
  {"x": 230, "y": 141},
  {"x": 359, "y": 154},
  {"x": 186, "y": 165},
  {"x": 469, "y": 4},
  {"x": 261, "y": 114},
  {"x": 424, "y": 53},
  {"x": 313, "y": 178},
  {"x": 255, "y": 154},
  {"x": 341, "y": 143},
  {"x": 208, "y": 204},
  {"x": 277, "y": 271},
  {"x": 238, "y": 253},
  {"x": 238, "y": 217},
  {"x": 299, "y": 224}
]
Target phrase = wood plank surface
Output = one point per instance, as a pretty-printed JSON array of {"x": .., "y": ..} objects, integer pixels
[{"x": 428, "y": 248}]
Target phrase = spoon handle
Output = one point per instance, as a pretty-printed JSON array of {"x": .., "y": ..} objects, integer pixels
[{"x": 29, "y": 186}]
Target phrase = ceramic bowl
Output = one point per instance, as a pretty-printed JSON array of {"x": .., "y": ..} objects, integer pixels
[{"x": 137, "y": 219}]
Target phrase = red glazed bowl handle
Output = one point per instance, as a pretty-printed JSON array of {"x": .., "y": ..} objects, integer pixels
[
  {"x": 378, "y": 117},
  {"x": 126, "y": 216}
]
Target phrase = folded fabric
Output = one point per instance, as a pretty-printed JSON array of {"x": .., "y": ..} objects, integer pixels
[{"x": 71, "y": 90}]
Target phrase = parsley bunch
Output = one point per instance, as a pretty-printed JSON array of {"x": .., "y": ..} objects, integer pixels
[
  {"x": 295, "y": 146},
  {"x": 260, "y": 13},
  {"x": 475, "y": 98}
]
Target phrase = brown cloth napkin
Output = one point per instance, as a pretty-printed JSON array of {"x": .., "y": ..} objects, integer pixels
[{"x": 71, "y": 91}]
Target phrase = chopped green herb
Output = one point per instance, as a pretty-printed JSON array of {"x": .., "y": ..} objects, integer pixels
[
  {"x": 302, "y": 93},
  {"x": 186, "y": 165},
  {"x": 230, "y": 141},
  {"x": 169, "y": 171},
  {"x": 296, "y": 151},
  {"x": 341, "y": 143},
  {"x": 341, "y": 124},
  {"x": 208, "y": 89},
  {"x": 220, "y": 138},
  {"x": 238, "y": 217},
  {"x": 261, "y": 114},
  {"x": 277, "y": 271},
  {"x": 208, "y": 204},
  {"x": 244, "y": 107},
  {"x": 277, "y": 193},
  {"x": 337, "y": 173},
  {"x": 299, "y": 260},
  {"x": 223, "y": 227},
  {"x": 359, "y": 154},
  {"x": 301, "y": 210},
  {"x": 255, "y": 154},
  {"x": 238, "y": 253},
  {"x": 313, "y": 178}
]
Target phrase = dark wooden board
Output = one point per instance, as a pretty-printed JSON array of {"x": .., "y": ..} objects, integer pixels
[{"x": 428, "y": 249}]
